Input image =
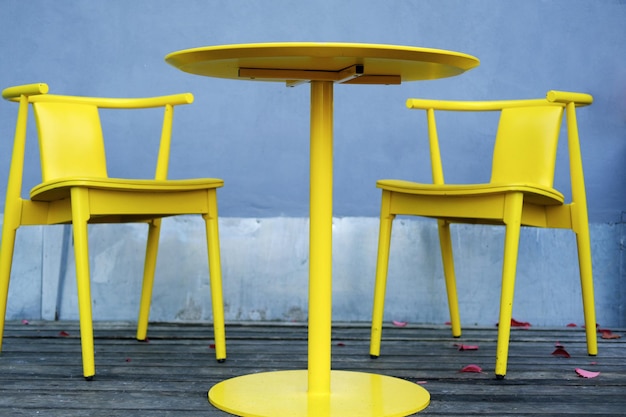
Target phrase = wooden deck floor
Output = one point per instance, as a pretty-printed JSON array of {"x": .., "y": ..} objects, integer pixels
[{"x": 41, "y": 375}]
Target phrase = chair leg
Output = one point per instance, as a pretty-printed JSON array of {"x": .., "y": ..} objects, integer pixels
[
  {"x": 382, "y": 266},
  {"x": 215, "y": 276},
  {"x": 6, "y": 260},
  {"x": 586, "y": 282},
  {"x": 448, "y": 270},
  {"x": 512, "y": 219},
  {"x": 580, "y": 223},
  {"x": 152, "y": 248},
  {"x": 80, "y": 216}
]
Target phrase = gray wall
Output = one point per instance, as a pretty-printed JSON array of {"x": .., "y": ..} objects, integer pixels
[{"x": 255, "y": 136}]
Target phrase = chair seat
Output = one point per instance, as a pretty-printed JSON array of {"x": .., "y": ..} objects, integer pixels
[
  {"x": 60, "y": 188},
  {"x": 533, "y": 193}
]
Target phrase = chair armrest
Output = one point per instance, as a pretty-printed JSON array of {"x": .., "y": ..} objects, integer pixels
[
  {"x": 119, "y": 103},
  {"x": 553, "y": 97},
  {"x": 15, "y": 92},
  {"x": 580, "y": 99},
  {"x": 455, "y": 105}
]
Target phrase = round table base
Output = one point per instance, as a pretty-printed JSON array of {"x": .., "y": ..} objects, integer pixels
[{"x": 284, "y": 393}]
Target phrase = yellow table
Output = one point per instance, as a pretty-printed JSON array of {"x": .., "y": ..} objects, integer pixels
[{"x": 320, "y": 391}]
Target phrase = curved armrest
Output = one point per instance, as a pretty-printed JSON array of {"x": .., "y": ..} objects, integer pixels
[
  {"x": 553, "y": 97},
  {"x": 580, "y": 99},
  {"x": 453, "y": 105},
  {"x": 24, "y": 90},
  {"x": 118, "y": 103}
]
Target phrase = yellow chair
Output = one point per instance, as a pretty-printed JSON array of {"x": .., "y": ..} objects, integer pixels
[
  {"x": 76, "y": 189},
  {"x": 520, "y": 193}
]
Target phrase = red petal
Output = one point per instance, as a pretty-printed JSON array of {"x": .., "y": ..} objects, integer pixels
[
  {"x": 127, "y": 360},
  {"x": 472, "y": 368},
  {"x": 586, "y": 374},
  {"x": 466, "y": 347},
  {"x": 212, "y": 346},
  {"x": 25, "y": 322},
  {"x": 609, "y": 335},
  {"x": 572, "y": 325},
  {"x": 63, "y": 333},
  {"x": 515, "y": 323},
  {"x": 341, "y": 344},
  {"x": 559, "y": 351},
  {"x": 399, "y": 323}
]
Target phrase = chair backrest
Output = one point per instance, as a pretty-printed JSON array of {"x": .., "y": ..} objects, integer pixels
[
  {"x": 526, "y": 140},
  {"x": 526, "y": 145},
  {"x": 70, "y": 140}
]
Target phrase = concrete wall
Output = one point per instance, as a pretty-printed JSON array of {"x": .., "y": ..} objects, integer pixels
[
  {"x": 265, "y": 268},
  {"x": 255, "y": 136}
]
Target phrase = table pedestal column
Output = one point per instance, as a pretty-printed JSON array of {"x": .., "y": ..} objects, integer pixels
[
  {"x": 320, "y": 237},
  {"x": 319, "y": 391}
]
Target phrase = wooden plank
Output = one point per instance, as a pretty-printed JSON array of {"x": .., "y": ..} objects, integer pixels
[{"x": 40, "y": 371}]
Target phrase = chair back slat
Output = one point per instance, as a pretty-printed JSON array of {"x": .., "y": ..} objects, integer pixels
[
  {"x": 435, "y": 152},
  {"x": 526, "y": 145},
  {"x": 70, "y": 140}
]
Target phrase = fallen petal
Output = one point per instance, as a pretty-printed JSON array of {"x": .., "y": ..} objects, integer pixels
[
  {"x": 63, "y": 333},
  {"x": 399, "y": 323},
  {"x": 610, "y": 335},
  {"x": 560, "y": 351},
  {"x": 212, "y": 346},
  {"x": 472, "y": 368},
  {"x": 127, "y": 360},
  {"x": 572, "y": 325},
  {"x": 466, "y": 347},
  {"x": 341, "y": 344},
  {"x": 558, "y": 344},
  {"x": 515, "y": 323},
  {"x": 586, "y": 374},
  {"x": 25, "y": 322}
]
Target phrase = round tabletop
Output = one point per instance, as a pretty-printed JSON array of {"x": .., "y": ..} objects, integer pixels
[{"x": 340, "y": 62}]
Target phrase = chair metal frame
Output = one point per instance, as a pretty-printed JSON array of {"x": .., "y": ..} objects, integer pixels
[
  {"x": 90, "y": 196},
  {"x": 507, "y": 200}
]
